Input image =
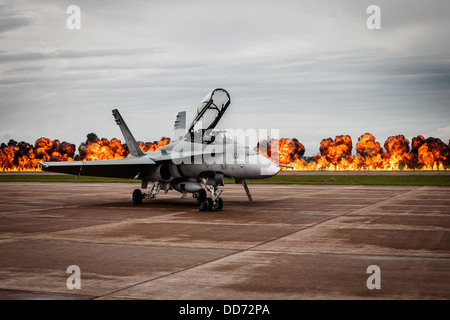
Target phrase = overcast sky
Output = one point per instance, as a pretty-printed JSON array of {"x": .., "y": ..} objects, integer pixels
[{"x": 311, "y": 69}]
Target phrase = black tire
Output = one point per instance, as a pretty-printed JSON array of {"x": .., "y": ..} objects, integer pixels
[
  {"x": 137, "y": 196},
  {"x": 203, "y": 206},
  {"x": 219, "y": 204},
  {"x": 209, "y": 204},
  {"x": 201, "y": 196}
]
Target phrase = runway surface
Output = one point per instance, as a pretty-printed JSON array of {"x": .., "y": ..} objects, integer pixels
[{"x": 292, "y": 242}]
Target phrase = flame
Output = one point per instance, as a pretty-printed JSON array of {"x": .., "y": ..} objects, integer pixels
[
  {"x": 431, "y": 153},
  {"x": 283, "y": 151},
  {"x": 101, "y": 149},
  {"x": 155, "y": 145},
  {"x": 22, "y": 156},
  {"x": 335, "y": 151},
  {"x": 336, "y": 154}
]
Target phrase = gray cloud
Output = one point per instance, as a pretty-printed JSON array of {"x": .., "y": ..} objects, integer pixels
[
  {"x": 313, "y": 70},
  {"x": 72, "y": 54},
  {"x": 12, "y": 20},
  {"x": 13, "y": 23}
]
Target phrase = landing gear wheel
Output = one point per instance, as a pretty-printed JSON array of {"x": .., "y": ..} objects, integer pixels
[
  {"x": 203, "y": 206},
  {"x": 201, "y": 196},
  {"x": 219, "y": 204},
  {"x": 209, "y": 204},
  {"x": 206, "y": 205},
  {"x": 137, "y": 196}
]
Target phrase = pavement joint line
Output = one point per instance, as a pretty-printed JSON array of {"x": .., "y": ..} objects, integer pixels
[
  {"x": 250, "y": 248},
  {"x": 38, "y": 209},
  {"x": 383, "y": 200},
  {"x": 331, "y": 218},
  {"x": 199, "y": 265},
  {"x": 35, "y": 235},
  {"x": 195, "y": 266},
  {"x": 368, "y": 255},
  {"x": 338, "y": 216},
  {"x": 170, "y": 274}
]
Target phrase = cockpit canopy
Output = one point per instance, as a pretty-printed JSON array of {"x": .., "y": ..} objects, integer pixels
[
  {"x": 210, "y": 110},
  {"x": 217, "y": 136}
]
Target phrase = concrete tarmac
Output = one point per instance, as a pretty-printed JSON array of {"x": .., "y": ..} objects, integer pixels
[{"x": 292, "y": 242}]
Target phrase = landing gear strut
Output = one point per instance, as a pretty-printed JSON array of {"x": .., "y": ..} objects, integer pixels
[
  {"x": 213, "y": 202},
  {"x": 205, "y": 202},
  {"x": 154, "y": 190}
]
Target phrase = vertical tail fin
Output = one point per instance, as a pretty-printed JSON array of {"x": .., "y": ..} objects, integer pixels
[
  {"x": 179, "y": 128},
  {"x": 133, "y": 146}
]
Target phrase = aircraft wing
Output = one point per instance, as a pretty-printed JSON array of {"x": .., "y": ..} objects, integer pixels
[{"x": 114, "y": 168}]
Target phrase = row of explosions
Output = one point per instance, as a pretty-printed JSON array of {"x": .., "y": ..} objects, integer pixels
[
  {"x": 335, "y": 154},
  {"x": 423, "y": 154},
  {"x": 22, "y": 156}
]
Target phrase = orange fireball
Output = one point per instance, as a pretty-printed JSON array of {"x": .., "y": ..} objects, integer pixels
[
  {"x": 283, "y": 151},
  {"x": 425, "y": 154},
  {"x": 23, "y": 156},
  {"x": 335, "y": 154}
]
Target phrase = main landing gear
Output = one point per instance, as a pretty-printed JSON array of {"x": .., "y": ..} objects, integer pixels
[
  {"x": 205, "y": 203},
  {"x": 213, "y": 202},
  {"x": 154, "y": 190}
]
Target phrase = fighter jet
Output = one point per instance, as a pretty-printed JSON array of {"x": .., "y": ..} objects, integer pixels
[{"x": 195, "y": 161}]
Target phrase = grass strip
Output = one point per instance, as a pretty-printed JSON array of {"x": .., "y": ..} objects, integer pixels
[
  {"x": 57, "y": 178},
  {"x": 400, "y": 180}
]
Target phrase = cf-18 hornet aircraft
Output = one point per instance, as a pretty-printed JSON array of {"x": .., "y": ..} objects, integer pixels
[{"x": 196, "y": 154}]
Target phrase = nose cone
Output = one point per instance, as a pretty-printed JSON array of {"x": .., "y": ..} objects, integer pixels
[{"x": 267, "y": 167}]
